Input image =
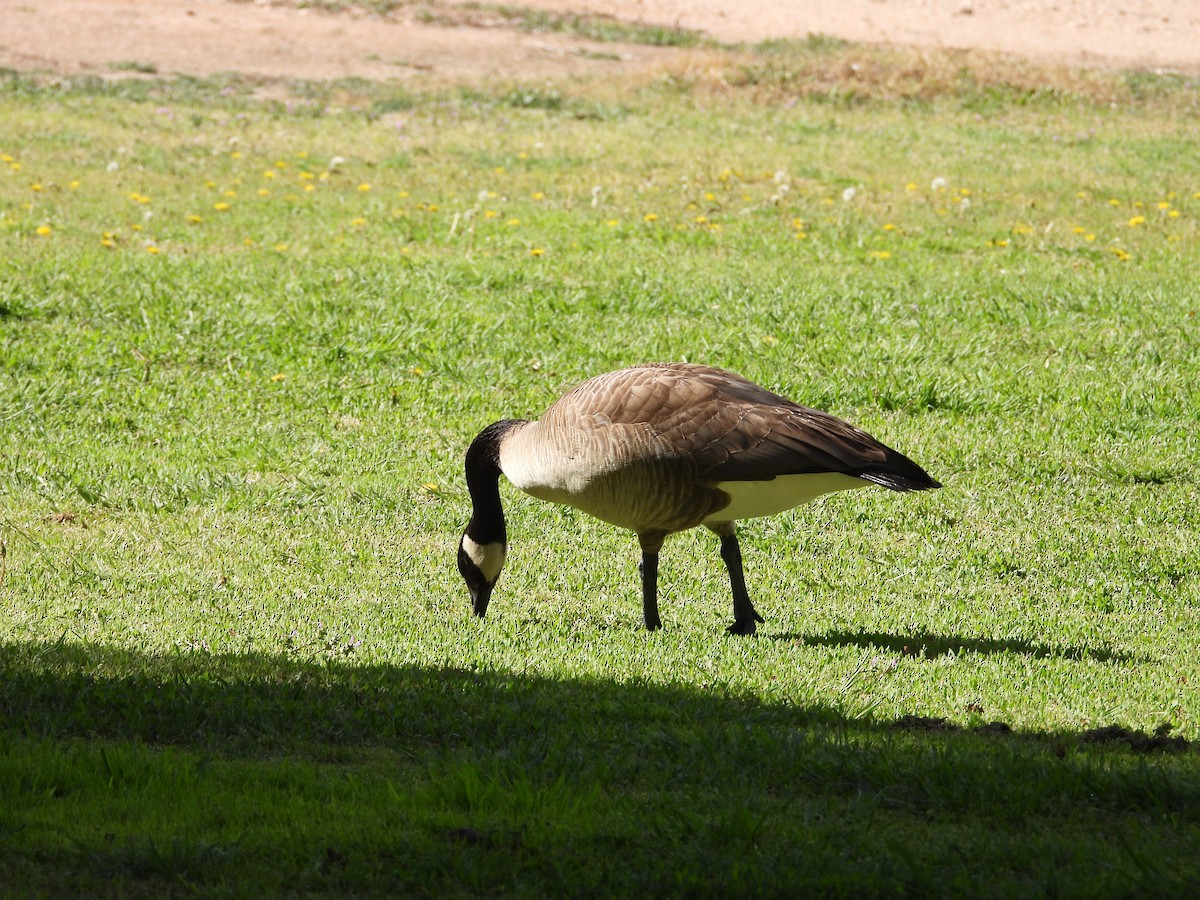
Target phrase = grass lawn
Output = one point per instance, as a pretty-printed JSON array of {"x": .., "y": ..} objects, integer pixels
[{"x": 245, "y": 342}]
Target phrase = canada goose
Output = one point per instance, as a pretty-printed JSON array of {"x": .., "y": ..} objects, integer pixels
[{"x": 661, "y": 448}]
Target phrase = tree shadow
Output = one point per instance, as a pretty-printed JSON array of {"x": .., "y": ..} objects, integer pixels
[
  {"x": 698, "y": 791},
  {"x": 922, "y": 643}
]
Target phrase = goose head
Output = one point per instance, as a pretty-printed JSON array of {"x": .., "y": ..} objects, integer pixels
[{"x": 484, "y": 544}]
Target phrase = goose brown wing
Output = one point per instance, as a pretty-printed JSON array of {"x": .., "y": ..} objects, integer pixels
[{"x": 730, "y": 429}]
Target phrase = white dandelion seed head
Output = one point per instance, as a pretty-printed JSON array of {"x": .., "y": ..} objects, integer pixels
[
  {"x": 848, "y": 194},
  {"x": 938, "y": 183}
]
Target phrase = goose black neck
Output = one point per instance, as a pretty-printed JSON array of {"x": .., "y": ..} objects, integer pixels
[{"x": 483, "y": 472}]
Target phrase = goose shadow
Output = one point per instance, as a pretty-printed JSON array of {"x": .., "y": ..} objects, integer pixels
[{"x": 924, "y": 643}]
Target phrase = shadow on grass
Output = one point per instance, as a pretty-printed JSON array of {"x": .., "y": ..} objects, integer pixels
[
  {"x": 930, "y": 645},
  {"x": 444, "y": 780}
]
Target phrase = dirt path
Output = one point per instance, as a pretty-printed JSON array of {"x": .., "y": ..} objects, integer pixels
[{"x": 202, "y": 37}]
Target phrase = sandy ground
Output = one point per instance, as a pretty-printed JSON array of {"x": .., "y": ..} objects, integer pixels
[{"x": 202, "y": 37}]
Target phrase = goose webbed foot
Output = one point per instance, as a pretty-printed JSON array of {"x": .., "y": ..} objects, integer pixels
[{"x": 745, "y": 626}]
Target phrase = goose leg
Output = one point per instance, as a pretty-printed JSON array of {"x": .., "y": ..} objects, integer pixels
[
  {"x": 744, "y": 614},
  {"x": 651, "y": 543},
  {"x": 649, "y": 569}
]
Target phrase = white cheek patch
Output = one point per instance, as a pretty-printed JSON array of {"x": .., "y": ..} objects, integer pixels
[{"x": 488, "y": 558}]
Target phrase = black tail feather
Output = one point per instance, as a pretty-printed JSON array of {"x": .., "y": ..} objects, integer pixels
[{"x": 913, "y": 478}]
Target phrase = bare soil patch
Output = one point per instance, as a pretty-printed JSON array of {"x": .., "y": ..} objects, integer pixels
[{"x": 116, "y": 38}]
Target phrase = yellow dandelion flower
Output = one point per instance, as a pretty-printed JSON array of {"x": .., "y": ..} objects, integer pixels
[
  {"x": 107, "y": 242},
  {"x": 269, "y": 173},
  {"x": 880, "y": 254},
  {"x": 889, "y": 227},
  {"x": 236, "y": 154},
  {"x": 800, "y": 235},
  {"x": 612, "y": 223},
  {"x": 432, "y": 207},
  {"x": 307, "y": 176},
  {"x": 710, "y": 196},
  {"x": 402, "y": 194},
  {"x": 151, "y": 248},
  {"x": 4, "y": 157},
  {"x": 281, "y": 164},
  {"x": 308, "y": 188},
  {"x": 195, "y": 219},
  {"x": 35, "y": 187},
  {"x": 263, "y": 192},
  {"x": 1196, "y": 196},
  {"x": 700, "y": 220},
  {"x": 490, "y": 213},
  {"x": 278, "y": 376},
  {"x": 1174, "y": 214},
  {"x": 499, "y": 170},
  {"x": 135, "y": 227},
  {"x": 513, "y": 222},
  {"x": 1164, "y": 204},
  {"x": 248, "y": 242},
  {"x": 911, "y": 186},
  {"x": 522, "y": 155},
  {"x": 280, "y": 248},
  {"x": 221, "y": 207},
  {"x": 536, "y": 251},
  {"x": 1120, "y": 254},
  {"x": 324, "y": 176},
  {"x": 1139, "y": 204},
  {"x": 44, "y": 230},
  {"x": 1078, "y": 229},
  {"x": 1022, "y": 228},
  {"x": 1113, "y": 201},
  {"x": 1136, "y": 221},
  {"x": 230, "y": 194},
  {"x": 999, "y": 242},
  {"x": 73, "y": 183},
  {"x": 1089, "y": 237},
  {"x": 358, "y": 221},
  {"x": 650, "y": 217},
  {"x": 364, "y": 187}
]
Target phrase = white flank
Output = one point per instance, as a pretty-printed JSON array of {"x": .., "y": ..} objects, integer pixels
[
  {"x": 752, "y": 499},
  {"x": 488, "y": 558}
]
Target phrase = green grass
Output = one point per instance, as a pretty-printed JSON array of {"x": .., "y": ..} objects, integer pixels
[{"x": 236, "y": 657}]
